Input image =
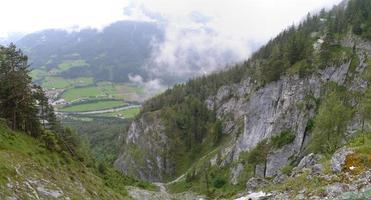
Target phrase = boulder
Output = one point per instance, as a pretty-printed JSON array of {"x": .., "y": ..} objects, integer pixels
[
  {"x": 280, "y": 178},
  {"x": 337, "y": 189},
  {"x": 254, "y": 183},
  {"x": 338, "y": 159},
  {"x": 309, "y": 160},
  {"x": 317, "y": 169}
]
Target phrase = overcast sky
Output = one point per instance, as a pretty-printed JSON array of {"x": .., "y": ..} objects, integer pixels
[
  {"x": 201, "y": 35},
  {"x": 248, "y": 17}
]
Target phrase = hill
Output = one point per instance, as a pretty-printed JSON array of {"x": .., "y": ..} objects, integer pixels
[
  {"x": 30, "y": 171},
  {"x": 85, "y": 73},
  {"x": 110, "y": 54},
  {"x": 306, "y": 91},
  {"x": 41, "y": 159}
]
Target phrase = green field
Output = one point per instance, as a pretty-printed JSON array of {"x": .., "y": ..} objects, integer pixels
[
  {"x": 38, "y": 74},
  {"x": 81, "y": 81},
  {"x": 68, "y": 64},
  {"x": 99, "y": 105},
  {"x": 61, "y": 83},
  {"x": 55, "y": 82},
  {"x": 106, "y": 90},
  {"x": 83, "y": 93},
  {"x": 129, "y": 113}
]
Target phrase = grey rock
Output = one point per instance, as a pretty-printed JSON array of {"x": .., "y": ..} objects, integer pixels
[
  {"x": 260, "y": 171},
  {"x": 256, "y": 196},
  {"x": 250, "y": 113},
  {"x": 338, "y": 159},
  {"x": 336, "y": 189},
  {"x": 299, "y": 197},
  {"x": 280, "y": 195},
  {"x": 141, "y": 194},
  {"x": 317, "y": 169},
  {"x": 235, "y": 173},
  {"x": 278, "y": 159},
  {"x": 280, "y": 178},
  {"x": 309, "y": 160},
  {"x": 254, "y": 183},
  {"x": 145, "y": 150},
  {"x": 49, "y": 192}
]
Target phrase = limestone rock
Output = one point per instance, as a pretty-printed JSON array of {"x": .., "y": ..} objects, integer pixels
[
  {"x": 235, "y": 173},
  {"x": 336, "y": 189},
  {"x": 309, "y": 160},
  {"x": 254, "y": 183},
  {"x": 338, "y": 159}
]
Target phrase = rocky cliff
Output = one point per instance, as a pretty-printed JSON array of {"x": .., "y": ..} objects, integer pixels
[
  {"x": 267, "y": 123},
  {"x": 144, "y": 150},
  {"x": 284, "y": 105}
]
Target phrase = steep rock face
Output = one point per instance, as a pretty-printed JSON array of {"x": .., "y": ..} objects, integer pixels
[
  {"x": 251, "y": 114},
  {"x": 284, "y": 105},
  {"x": 145, "y": 150}
]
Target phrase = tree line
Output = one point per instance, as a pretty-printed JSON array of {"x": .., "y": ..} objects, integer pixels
[
  {"x": 290, "y": 52},
  {"x": 25, "y": 106}
]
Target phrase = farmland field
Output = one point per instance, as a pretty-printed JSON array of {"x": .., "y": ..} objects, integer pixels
[
  {"x": 87, "y": 95},
  {"x": 61, "y": 83},
  {"x": 55, "y": 82},
  {"x": 68, "y": 64},
  {"x": 83, "y": 92},
  {"x": 104, "y": 90},
  {"x": 129, "y": 113},
  {"x": 99, "y": 105},
  {"x": 38, "y": 74}
]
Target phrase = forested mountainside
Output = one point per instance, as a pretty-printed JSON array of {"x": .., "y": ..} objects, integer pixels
[
  {"x": 110, "y": 54},
  {"x": 306, "y": 92},
  {"x": 39, "y": 158}
]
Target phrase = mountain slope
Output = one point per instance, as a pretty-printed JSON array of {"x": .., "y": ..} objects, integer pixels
[
  {"x": 110, "y": 54},
  {"x": 306, "y": 91},
  {"x": 30, "y": 171}
]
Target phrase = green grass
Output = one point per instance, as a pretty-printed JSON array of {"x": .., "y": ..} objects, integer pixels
[
  {"x": 282, "y": 139},
  {"x": 24, "y": 159},
  {"x": 90, "y": 92},
  {"x": 99, "y": 105},
  {"x": 38, "y": 74},
  {"x": 61, "y": 83},
  {"x": 81, "y": 81},
  {"x": 55, "y": 82},
  {"x": 129, "y": 113},
  {"x": 82, "y": 93},
  {"x": 68, "y": 64}
]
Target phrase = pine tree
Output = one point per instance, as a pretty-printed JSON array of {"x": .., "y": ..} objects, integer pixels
[{"x": 17, "y": 103}]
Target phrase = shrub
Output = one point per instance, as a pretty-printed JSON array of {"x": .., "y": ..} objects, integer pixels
[
  {"x": 219, "y": 182},
  {"x": 282, "y": 139},
  {"x": 50, "y": 141},
  {"x": 287, "y": 169}
]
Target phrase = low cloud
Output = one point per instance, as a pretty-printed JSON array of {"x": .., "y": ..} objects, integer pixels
[
  {"x": 202, "y": 37},
  {"x": 152, "y": 86}
]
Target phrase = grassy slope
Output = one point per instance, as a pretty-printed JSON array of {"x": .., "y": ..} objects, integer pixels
[{"x": 27, "y": 169}]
